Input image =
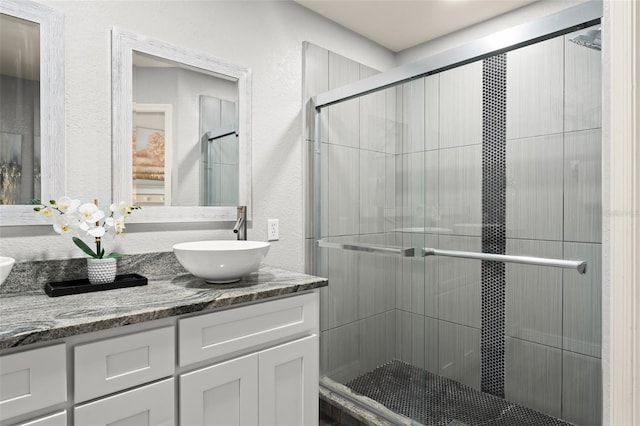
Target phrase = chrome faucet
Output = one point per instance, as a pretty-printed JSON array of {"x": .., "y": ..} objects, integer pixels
[{"x": 240, "y": 227}]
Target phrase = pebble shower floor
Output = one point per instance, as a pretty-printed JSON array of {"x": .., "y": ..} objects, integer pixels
[{"x": 437, "y": 401}]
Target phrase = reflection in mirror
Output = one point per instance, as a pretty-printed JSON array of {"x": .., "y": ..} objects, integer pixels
[
  {"x": 151, "y": 150},
  {"x": 160, "y": 169},
  {"x": 181, "y": 131},
  {"x": 219, "y": 152},
  {"x": 19, "y": 110},
  {"x": 32, "y": 108}
]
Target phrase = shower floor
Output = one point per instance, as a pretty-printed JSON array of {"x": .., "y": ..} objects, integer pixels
[{"x": 434, "y": 400}]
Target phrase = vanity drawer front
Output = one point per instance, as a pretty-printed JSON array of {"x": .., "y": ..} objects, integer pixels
[
  {"x": 236, "y": 330},
  {"x": 149, "y": 405},
  {"x": 119, "y": 363},
  {"x": 32, "y": 380}
]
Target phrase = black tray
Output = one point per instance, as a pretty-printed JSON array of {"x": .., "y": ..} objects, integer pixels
[{"x": 64, "y": 288}]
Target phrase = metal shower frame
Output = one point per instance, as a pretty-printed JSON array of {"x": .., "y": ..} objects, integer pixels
[{"x": 572, "y": 19}]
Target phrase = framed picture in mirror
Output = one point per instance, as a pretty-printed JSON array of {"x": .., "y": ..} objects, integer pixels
[{"x": 151, "y": 151}]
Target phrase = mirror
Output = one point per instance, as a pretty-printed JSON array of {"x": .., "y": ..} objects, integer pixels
[
  {"x": 181, "y": 131},
  {"x": 32, "y": 109}
]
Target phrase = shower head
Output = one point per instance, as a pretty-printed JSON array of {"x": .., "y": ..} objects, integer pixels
[{"x": 590, "y": 39}]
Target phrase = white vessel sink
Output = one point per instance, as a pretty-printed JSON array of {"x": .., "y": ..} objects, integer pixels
[
  {"x": 6, "y": 263},
  {"x": 221, "y": 261}
]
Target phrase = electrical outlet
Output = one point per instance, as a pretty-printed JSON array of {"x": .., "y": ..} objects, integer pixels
[{"x": 273, "y": 230}]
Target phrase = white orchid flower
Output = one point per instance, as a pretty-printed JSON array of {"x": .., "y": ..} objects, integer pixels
[
  {"x": 67, "y": 206},
  {"x": 66, "y": 224},
  {"x": 115, "y": 225},
  {"x": 90, "y": 213},
  {"x": 97, "y": 231},
  {"x": 69, "y": 216},
  {"x": 122, "y": 208},
  {"x": 45, "y": 213},
  {"x": 91, "y": 229}
]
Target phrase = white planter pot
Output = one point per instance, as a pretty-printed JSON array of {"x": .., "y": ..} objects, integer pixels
[{"x": 101, "y": 271}]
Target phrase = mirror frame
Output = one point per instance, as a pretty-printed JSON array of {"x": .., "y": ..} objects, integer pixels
[
  {"x": 123, "y": 44},
  {"x": 52, "y": 124}
]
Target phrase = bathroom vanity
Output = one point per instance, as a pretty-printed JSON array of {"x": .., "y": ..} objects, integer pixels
[{"x": 177, "y": 351}]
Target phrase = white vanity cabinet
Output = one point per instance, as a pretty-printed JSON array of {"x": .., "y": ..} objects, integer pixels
[
  {"x": 272, "y": 378},
  {"x": 252, "y": 364},
  {"x": 32, "y": 380}
]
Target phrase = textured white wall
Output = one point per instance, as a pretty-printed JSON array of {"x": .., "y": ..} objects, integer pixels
[{"x": 264, "y": 35}]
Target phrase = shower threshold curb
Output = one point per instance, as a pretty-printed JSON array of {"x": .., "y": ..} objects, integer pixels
[{"x": 363, "y": 409}]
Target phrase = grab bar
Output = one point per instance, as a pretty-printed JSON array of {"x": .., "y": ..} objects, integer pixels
[
  {"x": 400, "y": 251},
  {"x": 580, "y": 265}
]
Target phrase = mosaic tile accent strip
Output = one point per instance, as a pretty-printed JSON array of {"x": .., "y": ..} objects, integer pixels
[
  {"x": 433, "y": 400},
  {"x": 494, "y": 139}
]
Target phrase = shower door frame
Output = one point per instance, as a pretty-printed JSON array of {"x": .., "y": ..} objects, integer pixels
[{"x": 575, "y": 18}]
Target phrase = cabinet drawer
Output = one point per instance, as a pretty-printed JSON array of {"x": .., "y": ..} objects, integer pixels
[
  {"x": 119, "y": 363},
  {"x": 58, "y": 419},
  {"x": 32, "y": 380},
  {"x": 240, "y": 329},
  {"x": 149, "y": 405}
]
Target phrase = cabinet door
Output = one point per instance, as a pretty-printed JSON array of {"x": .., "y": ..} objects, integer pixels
[
  {"x": 288, "y": 381},
  {"x": 151, "y": 405},
  {"x": 224, "y": 394}
]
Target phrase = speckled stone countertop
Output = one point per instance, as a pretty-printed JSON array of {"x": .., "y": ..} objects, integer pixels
[{"x": 32, "y": 316}]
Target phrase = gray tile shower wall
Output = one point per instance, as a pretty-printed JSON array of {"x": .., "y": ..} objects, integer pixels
[
  {"x": 554, "y": 209},
  {"x": 535, "y": 76},
  {"x": 460, "y": 106},
  {"x": 533, "y": 376},
  {"x": 535, "y": 187},
  {"x": 359, "y": 204},
  {"x": 531, "y": 287},
  {"x": 583, "y": 186},
  {"x": 428, "y": 134}
]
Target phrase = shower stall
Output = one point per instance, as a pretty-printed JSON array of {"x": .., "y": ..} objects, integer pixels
[{"x": 455, "y": 206}]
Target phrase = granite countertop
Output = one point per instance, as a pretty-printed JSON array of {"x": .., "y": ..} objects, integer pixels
[{"x": 31, "y": 317}]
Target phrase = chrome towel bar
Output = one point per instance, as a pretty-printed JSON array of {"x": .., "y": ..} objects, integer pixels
[
  {"x": 400, "y": 251},
  {"x": 579, "y": 265}
]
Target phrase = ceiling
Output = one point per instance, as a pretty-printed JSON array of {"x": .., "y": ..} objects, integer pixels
[
  {"x": 401, "y": 24},
  {"x": 394, "y": 24}
]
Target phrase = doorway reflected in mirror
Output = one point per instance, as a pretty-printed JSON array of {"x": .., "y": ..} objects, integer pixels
[{"x": 220, "y": 160}]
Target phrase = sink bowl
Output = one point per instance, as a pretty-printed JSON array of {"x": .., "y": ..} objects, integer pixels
[
  {"x": 221, "y": 261},
  {"x": 6, "y": 263}
]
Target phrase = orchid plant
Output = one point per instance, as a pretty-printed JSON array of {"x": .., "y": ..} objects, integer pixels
[{"x": 71, "y": 217}]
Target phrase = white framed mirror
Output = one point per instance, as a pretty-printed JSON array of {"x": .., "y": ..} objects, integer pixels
[
  {"x": 157, "y": 82},
  {"x": 32, "y": 158}
]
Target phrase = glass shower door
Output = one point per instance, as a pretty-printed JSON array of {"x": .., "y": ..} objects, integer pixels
[{"x": 502, "y": 156}]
